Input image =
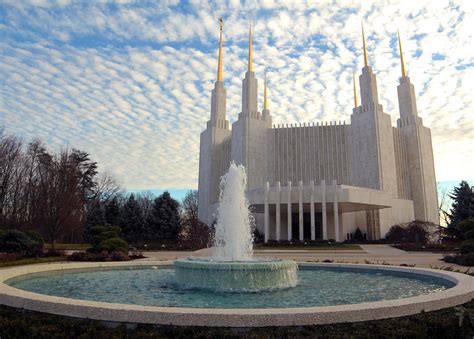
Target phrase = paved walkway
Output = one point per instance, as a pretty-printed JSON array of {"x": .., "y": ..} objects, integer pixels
[{"x": 368, "y": 254}]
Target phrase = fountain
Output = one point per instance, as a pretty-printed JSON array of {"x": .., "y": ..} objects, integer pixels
[
  {"x": 232, "y": 266},
  {"x": 214, "y": 291}
]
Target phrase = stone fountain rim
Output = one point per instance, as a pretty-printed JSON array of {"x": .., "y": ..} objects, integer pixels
[
  {"x": 461, "y": 293},
  {"x": 208, "y": 263}
]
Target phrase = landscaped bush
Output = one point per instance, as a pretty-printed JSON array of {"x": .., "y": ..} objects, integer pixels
[
  {"x": 106, "y": 238},
  {"x": 428, "y": 247},
  {"x": 466, "y": 226},
  {"x": 467, "y": 246},
  {"x": 8, "y": 256},
  {"x": 28, "y": 244},
  {"x": 358, "y": 236},
  {"x": 469, "y": 234},
  {"x": 106, "y": 246},
  {"x": 416, "y": 231},
  {"x": 112, "y": 245},
  {"x": 98, "y": 256},
  {"x": 460, "y": 259}
]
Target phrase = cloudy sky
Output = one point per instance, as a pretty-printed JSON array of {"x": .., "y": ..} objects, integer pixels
[{"x": 129, "y": 81}]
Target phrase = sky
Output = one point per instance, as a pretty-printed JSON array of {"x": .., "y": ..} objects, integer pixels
[{"x": 130, "y": 81}]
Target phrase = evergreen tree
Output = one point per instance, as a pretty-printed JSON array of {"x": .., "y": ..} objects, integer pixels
[
  {"x": 94, "y": 216},
  {"x": 164, "y": 221},
  {"x": 131, "y": 221},
  {"x": 463, "y": 204},
  {"x": 112, "y": 212}
]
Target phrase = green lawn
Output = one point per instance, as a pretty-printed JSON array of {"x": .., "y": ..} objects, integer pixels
[
  {"x": 68, "y": 246},
  {"x": 29, "y": 261},
  {"x": 317, "y": 247}
]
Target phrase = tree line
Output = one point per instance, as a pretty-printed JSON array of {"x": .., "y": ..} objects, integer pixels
[{"x": 62, "y": 196}]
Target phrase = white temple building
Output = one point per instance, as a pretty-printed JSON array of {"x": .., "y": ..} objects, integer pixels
[{"x": 322, "y": 180}]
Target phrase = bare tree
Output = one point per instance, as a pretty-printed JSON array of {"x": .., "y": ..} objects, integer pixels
[
  {"x": 198, "y": 232},
  {"x": 106, "y": 187},
  {"x": 444, "y": 204},
  {"x": 145, "y": 201}
]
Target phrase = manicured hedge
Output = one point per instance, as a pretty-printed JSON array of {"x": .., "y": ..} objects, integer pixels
[
  {"x": 467, "y": 247},
  {"x": 27, "y": 244}
]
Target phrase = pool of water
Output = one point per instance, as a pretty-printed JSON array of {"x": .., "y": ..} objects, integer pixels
[{"x": 153, "y": 286}]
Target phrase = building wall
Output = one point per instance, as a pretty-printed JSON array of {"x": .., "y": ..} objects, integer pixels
[
  {"x": 308, "y": 152},
  {"x": 400, "y": 149},
  {"x": 213, "y": 160},
  {"x": 249, "y": 147}
]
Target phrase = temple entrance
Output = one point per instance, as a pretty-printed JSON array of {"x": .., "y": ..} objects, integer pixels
[{"x": 295, "y": 226}]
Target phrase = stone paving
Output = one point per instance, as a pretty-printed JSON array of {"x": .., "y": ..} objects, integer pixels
[{"x": 368, "y": 253}]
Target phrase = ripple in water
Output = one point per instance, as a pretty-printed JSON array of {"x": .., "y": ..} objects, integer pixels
[{"x": 156, "y": 287}]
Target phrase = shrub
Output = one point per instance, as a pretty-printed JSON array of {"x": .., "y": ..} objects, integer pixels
[
  {"x": 99, "y": 256},
  {"x": 396, "y": 233},
  {"x": 8, "y": 256},
  {"x": 465, "y": 227},
  {"x": 106, "y": 238},
  {"x": 414, "y": 232},
  {"x": 112, "y": 245},
  {"x": 469, "y": 234},
  {"x": 118, "y": 256},
  {"x": 27, "y": 244},
  {"x": 467, "y": 246},
  {"x": 460, "y": 259},
  {"x": 358, "y": 236}
]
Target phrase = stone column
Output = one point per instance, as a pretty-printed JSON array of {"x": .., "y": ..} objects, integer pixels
[
  {"x": 323, "y": 204},
  {"x": 278, "y": 188},
  {"x": 267, "y": 212},
  {"x": 300, "y": 210},
  {"x": 288, "y": 227},
  {"x": 336, "y": 212},
  {"x": 313, "y": 227}
]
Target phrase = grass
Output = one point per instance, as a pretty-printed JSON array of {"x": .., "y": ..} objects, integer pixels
[
  {"x": 455, "y": 322},
  {"x": 309, "y": 247},
  {"x": 68, "y": 246},
  {"x": 29, "y": 261}
]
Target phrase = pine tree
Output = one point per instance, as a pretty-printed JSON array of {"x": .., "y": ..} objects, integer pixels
[
  {"x": 112, "y": 212},
  {"x": 94, "y": 216},
  {"x": 164, "y": 221},
  {"x": 463, "y": 204},
  {"x": 131, "y": 222}
]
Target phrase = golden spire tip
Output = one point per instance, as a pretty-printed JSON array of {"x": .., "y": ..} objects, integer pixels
[
  {"x": 366, "y": 60},
  {"x": 401, "y": 56}
]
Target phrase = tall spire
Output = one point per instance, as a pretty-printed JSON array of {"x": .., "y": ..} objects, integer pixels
[
  {"x": 219, "y": 66},
  {"x": 366, "y": 60},
  {"x": 401, "y": 56},
  {"x": 355, "y": 91},
  {"x": 265, "y": 102},
  {"x": 250, "y": 65}
]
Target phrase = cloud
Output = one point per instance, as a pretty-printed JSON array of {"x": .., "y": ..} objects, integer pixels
[{"x": 130, "y": 83}]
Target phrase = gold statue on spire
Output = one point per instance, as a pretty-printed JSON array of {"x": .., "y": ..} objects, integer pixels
[
  {"x": 219, "y": 65},
  {"x": 366, "y": 60},
  {"x": 265, "y": 102},
  {"x": 250, "y": 65},
  {"x": 355, "y": 91},
  {"x": 401, "y": 56}
]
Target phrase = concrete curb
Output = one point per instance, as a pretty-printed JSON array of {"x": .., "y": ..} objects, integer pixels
[{"x": 211, "y": 317}]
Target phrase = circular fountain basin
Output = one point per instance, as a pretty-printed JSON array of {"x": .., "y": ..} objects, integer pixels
[
  {"x": 235, "y": 276},
  {"x": 143, "y": 292}
]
